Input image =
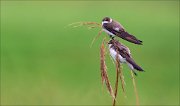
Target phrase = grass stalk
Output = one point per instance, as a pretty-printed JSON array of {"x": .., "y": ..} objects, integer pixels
[
  {"x": 135, "y": 89},
  {"x": 117, "y": 79},
  {"x": 95, "y": 38}
]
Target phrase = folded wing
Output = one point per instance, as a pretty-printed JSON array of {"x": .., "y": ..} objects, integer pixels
[{"x": 126, "y": 36}]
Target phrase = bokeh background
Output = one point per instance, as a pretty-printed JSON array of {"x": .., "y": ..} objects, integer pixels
[{"x": 43, "y": 62}]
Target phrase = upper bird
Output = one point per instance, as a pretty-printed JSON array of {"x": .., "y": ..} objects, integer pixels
[{"x": 114, "y": 28}]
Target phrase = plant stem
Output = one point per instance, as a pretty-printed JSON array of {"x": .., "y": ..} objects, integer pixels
[
  {"x": 135, "y": 89},
  {"x": 117, "y": 80}
]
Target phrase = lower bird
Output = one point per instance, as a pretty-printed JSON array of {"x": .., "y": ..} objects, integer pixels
[{"x": 124, "y": 55}]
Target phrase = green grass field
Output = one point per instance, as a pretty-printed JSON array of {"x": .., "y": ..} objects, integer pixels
[{"x": 45, "y": 63}]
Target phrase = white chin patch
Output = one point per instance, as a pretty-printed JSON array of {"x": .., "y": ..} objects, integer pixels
[{"x": 104, "y": 22}]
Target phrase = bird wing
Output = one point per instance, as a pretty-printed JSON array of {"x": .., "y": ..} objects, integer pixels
[
  {"x": 120, "y": 32},
  {"x": 114, "y": 27},
  {"x": 123, "y": 50},
  {"x": 117, "y": 26},
  {"x": 130, "y": 60},
  {"x": 126, "y": 36},
  {"x": 125, "y": 53}
]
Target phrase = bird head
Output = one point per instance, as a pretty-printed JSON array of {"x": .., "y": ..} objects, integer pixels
[
  {"x": 106, "y": 20},
  {"x": 111, "y": 43},
  {"x": 114, "y": 43}
]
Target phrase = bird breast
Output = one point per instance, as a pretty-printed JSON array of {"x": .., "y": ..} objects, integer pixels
[{"x": 113, "y": 54}]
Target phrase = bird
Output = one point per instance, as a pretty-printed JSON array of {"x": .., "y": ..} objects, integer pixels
[
  {"x": 119, "y": 51},
  {"x": 114, "y": 28}
]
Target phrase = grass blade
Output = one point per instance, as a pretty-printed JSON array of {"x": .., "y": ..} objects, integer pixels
[{"x": 95, "y": 38}]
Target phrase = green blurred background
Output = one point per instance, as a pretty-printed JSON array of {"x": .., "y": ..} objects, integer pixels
[{"x": 45, "y": 63}]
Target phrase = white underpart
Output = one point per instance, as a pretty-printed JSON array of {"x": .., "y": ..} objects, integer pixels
[
  {"x": 130, "y": 66},
  {"x": 103, "y": 22},
  {"x": 113, "y": 54}
]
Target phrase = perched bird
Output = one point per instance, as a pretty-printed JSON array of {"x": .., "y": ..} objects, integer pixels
[
  {"x": 124, "y": 55},
  {"x": 114, "y": 28}
]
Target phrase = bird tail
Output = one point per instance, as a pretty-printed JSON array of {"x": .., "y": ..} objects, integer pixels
[
  {"x": 137, "y": 67},
  {"x": 133, "y": 65},
  {"x": 126, "y": 36},
  {"x": 132, "y": 68}
]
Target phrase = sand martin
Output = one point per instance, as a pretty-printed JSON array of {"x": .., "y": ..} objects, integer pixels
[
  {"x": 124, "y": 54},
  {"x": 114, "y": 28}
]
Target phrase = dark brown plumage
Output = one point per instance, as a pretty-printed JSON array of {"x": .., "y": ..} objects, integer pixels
[{"x": 114, "y": 28}]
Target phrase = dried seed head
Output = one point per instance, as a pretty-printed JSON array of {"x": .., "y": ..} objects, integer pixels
[{"x": 103, "y": 69}]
